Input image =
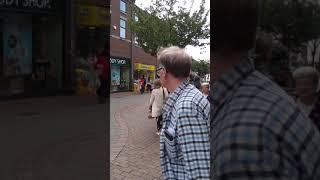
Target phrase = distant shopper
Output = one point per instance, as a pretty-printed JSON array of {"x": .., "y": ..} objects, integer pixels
[
  {"x": 94, "y": 81},
  {"x": 205, "y": 89},
  {"x": 143, "y": 83},
  {"x": 306, "y": 80},
  {"x": 195, "y": 80},
  {"x": 102, "y": 68},
  {"x": 157, "y": 99}
]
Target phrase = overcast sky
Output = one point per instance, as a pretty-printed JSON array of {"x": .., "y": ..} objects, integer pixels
[{"x": 195, "y": 52}]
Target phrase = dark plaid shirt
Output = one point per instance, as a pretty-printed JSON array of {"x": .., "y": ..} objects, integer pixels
[
  {"x": 257, "y": 132},
  {"x": 184, "y": 139},
  {"x": 315, "y": 113}
]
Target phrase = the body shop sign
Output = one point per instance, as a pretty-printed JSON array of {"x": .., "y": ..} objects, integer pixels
[
  {"x": 37, "y": 5},
  {"x": 119, "y": 62}
]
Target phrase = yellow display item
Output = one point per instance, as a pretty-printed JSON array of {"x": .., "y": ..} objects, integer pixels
[{"x": 139, "y": 66}]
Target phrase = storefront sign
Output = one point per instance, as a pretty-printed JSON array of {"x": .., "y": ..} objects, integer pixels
[
  {"x": 117, "y": 61},
  {"x": 139, "y": 66},
  {"x": 92, "y": 16},
  {"x": 36, "y": 5}
]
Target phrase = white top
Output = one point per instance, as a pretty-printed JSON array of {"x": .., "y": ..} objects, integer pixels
[{"x": 156, "y": 101}]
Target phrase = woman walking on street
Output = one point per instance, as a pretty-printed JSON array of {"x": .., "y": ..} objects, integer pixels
[{"x": 157, "y": 99}]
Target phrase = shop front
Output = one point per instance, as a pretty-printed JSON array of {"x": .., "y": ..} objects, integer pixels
[
  {"x": 31, "y": 47},
  {"x": 148, "y": 71},
  {"x": 92, "y": 36},
  {"x": 120, "y": 74}
]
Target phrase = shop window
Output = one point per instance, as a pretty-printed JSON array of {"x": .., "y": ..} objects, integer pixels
[
  {"x": 123, "y": 6},
  {"x": 122, "y": 28}
]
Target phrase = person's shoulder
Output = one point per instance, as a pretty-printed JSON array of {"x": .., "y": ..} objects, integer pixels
[
  {"x": 259, "y": 100},
  {"x": 259, "y": 87},
  {"x": 192, "y": 97}
]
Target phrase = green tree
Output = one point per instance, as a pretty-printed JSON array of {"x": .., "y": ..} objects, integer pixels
[
  {"x": 164, "y": 24},
  {"x": 200, "y": 67},
  {"x": 292, "y": 22}
]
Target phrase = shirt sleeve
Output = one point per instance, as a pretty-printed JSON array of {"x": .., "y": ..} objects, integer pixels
[
  {"x": 262, "y": 151},
  {"x": 193, "y": 139},
  {"x": 152, "y": 98}
]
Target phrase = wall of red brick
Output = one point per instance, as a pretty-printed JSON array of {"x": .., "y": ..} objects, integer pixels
[
  {"x": 122, "y": 48},
  {"x": 139, "y": 56}
]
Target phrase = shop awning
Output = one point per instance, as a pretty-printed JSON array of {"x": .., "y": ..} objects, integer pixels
[{"x": 139, "y": 66}]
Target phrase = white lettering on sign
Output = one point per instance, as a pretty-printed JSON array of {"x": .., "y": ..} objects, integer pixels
[
  {"x": 39, "y": 4},
  {"x": 117, "y": 61},
  {"x": 9, "y": 2}
]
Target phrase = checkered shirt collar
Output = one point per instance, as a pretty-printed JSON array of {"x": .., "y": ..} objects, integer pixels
[
  {"x": 229, "y": 82},
  {"x": 174, "y": 96}
]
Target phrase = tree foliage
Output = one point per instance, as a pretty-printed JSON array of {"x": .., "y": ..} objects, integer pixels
[
  {"x": 165, "y": 23},
  {"x": 200, "y": 67},
  {"x": 291, "y": 21}
]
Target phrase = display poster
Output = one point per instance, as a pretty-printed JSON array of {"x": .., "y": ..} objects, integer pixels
[
  {"x": 115, "y": 75},
  {"x": 17, "y": 45}
]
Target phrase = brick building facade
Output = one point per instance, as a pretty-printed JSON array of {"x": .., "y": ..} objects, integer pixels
[{"x": 128, "y": 61}]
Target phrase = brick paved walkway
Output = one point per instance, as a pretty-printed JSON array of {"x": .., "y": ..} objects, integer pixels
[
  {"x": 53, "y": 138},
  {"x": 136, "y": 155}
]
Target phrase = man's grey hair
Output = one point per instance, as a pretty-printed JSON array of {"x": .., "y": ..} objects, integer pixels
[
  {"x": 305, "y": 72},
  {"x": 176, "y": 61}
]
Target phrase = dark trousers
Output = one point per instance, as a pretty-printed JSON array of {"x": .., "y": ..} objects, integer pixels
[
  {"x": 102, "y": 91},
  {"x": 159, "y": 122},
  {"x": 142, "y": 89}
]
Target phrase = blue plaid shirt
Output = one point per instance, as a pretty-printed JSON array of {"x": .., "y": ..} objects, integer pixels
[
  {"x": 184, "y": 139},
  {"x": 257, "y": 131}
]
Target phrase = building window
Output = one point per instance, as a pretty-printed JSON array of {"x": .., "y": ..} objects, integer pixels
[
  {"x": 123, "y": 7},
  {"x": 122, "y": 29}
]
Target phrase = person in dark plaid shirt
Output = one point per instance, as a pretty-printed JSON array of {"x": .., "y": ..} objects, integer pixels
[
  {"x": 184, "y": 138},
  {"x": 257, "y": 131}
]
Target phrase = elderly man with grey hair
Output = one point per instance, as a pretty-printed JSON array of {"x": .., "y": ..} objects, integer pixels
[
  {"x": 306, "y": 80},
  {"x": 184, "y": 138}
]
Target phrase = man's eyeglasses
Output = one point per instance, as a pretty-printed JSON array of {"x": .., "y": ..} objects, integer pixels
[{"x": 159, "y": 70}]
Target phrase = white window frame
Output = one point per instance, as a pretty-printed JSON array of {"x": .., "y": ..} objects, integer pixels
[
  {"x": 122, "y": 2},
  {"x": 122, "y": 28}
]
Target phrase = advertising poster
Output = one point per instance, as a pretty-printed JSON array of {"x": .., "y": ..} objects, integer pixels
[
  {"x": 115, "y": 75},
  {"x": 17, "y": 45}
]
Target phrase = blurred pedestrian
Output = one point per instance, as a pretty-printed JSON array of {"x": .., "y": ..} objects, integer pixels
[
  {"x": 257, "y": 131},
  {"x": 94, "y": 81},
  {"x": 263, "y": 51},
  {"x": 142, "y": 84},
  {"x": 184, "y": 138},
  {"x": 157, "y": 99},
  {"x": 205, "y": 89},
  {"x": 306, "y": 81},
  {"x": 195, "y": 80},
  {"x": 102, "y": 68}
]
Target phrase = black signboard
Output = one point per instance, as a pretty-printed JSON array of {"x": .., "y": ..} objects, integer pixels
[
  {"x": 119, "y": 61},
  {"x": 41, "y": 6}
]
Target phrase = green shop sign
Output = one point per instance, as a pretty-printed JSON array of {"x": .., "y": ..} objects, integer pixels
[
  {"x": 32, "y": 5},
  {"x": 119, "y": 61}
]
